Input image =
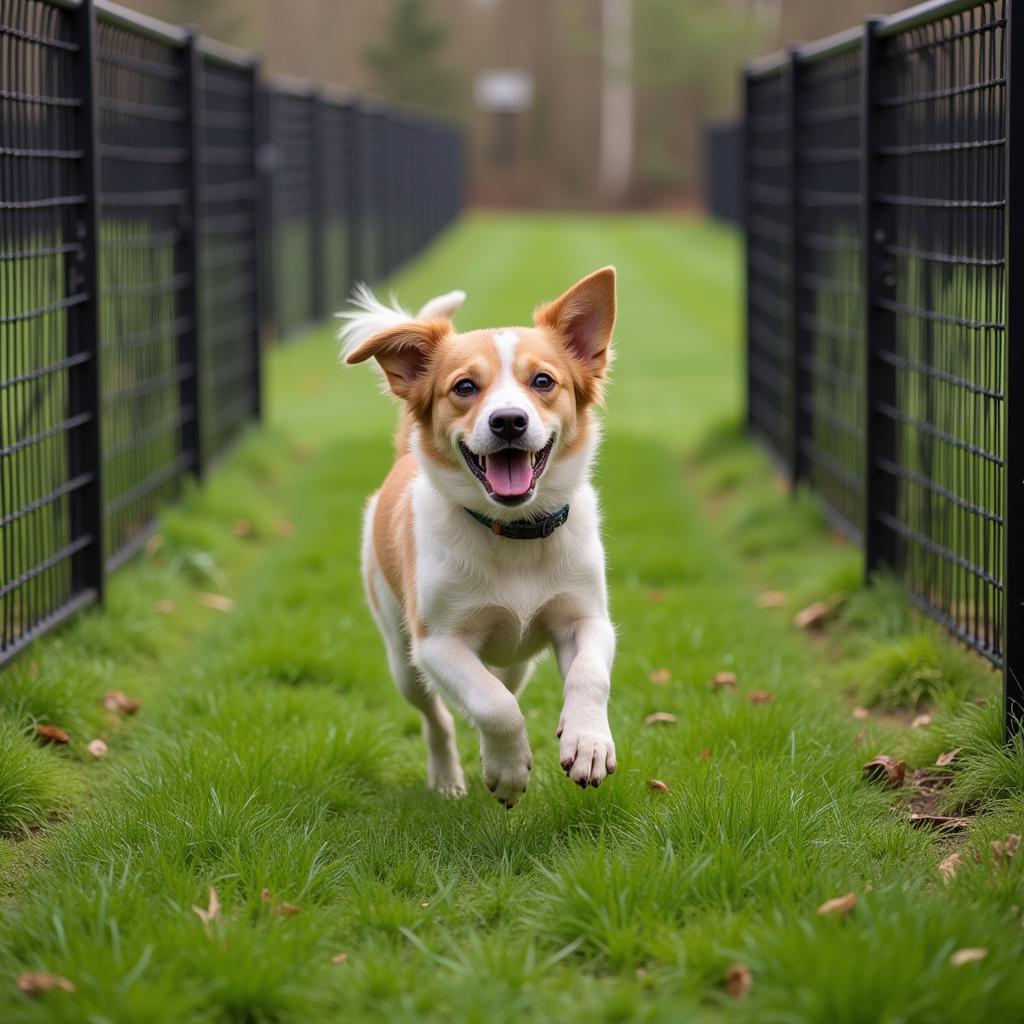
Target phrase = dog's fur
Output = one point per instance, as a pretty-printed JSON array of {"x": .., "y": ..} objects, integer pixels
[{"x": 463, "y": 612}]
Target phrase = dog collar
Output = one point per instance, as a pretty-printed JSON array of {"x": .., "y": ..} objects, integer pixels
[{"x": 524, "y": 529}]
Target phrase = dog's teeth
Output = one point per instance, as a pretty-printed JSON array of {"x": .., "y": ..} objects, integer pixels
[{"x": 533, "y": 458}]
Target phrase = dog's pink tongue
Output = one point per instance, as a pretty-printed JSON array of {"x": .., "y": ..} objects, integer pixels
[{"x": 509, "y": 473}]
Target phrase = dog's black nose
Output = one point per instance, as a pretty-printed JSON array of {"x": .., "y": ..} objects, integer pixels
[{"x": 508, "y": 424}]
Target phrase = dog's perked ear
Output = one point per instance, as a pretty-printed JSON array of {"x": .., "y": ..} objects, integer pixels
[
  {"x": 584, "y": 318},
  {"x": 404, "y": 353}
]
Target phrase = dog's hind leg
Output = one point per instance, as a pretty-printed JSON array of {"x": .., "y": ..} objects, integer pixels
[{"x": 515, "y": 677}]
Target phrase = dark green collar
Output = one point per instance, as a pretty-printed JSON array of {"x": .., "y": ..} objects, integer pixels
[{"x": 524, "y": 529}]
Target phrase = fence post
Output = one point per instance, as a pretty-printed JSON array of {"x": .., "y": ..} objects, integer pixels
[
  {"x": 880, "y": 495},
  {"x": 190, "y": 344},
  {"x": 88, "y": 566},
  {"x": 745, "y": 227},
  {"x": 259, "y": 248},
  {"x": 800, "y": 413},
  {"x": 317, "y": 205},
  {"x": 1013, "y": 448}
]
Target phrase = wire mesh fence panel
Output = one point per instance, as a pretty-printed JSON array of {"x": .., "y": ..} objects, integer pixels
[
  {"x": 829, "y": 292},
  {"x": 293, "y": 129},
  {"x": 228, "y": 249},
  {"x": 769, "y": 232},
  {"x": 43, "y": 358},
  {"x": 940, "y": 197},
  {"x": 146, "y": 280},
  {"x": 335, "y": 154}
]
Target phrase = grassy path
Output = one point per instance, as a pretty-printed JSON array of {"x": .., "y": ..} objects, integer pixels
[{"x": 272, "y": 761}]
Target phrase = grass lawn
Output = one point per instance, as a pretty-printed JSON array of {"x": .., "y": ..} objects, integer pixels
[{"x": 271, "y": 761}]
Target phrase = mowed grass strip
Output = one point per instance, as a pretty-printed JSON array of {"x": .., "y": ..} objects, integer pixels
[{"x": 272, "y": 762}]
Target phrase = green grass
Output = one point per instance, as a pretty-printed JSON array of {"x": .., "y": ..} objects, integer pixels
[{"x": 271, "y": 753}]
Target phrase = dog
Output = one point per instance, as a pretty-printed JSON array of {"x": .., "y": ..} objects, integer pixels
[{"x": 483, "y": 548}]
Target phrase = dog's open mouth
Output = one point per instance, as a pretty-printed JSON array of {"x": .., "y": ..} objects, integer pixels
[{"x": 510, "y": 475}]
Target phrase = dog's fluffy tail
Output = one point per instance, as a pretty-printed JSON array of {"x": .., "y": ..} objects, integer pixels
[{"x": 369, "y": 316}]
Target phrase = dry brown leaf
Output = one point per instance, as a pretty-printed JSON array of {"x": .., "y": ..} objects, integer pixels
[
  {"x": 861, "y": 738},
  {"x": 660, "y": 676},
  {"x": 885, "y": 768},
  {"x": 944, "y": 760},
  {"x": 97, "y": 748},
  {"x": 948, "y": 867},
  {"x": 760, "y": 696},
  {"x": 166, "y": 607},
  {"x": 212, "y": 911},
  {"x": 284, "y": 528},
  {"x": 265, "y": 895},
  {"x": 723, "y": 681},
  {"x": 339, "y": 958},
  {"x": 940, "y": 822},
  {"x": 52, "y": 733},
  {"x": 771, "y": 599},
  {"x": 660, "y": 718},
  {"x": 285, "y": 909},
  {"x": 861, "y": 714},
  {"x": 705, "y": 754},
  {"x": 813, "y": 616},
  {"x": 34, "y": 983},
  {"x": 970, "y": 955},
  {"x": 738, "y": 980},
  {"x": 1003, "y": 850},
  {"x": 840, "y": 905},
  {"x": 218, "y": 602},
  {"x": 242, "y": 528},
  {"x": 921, "y": 721},
  {"x": 118, "y": 700},
  {"x": 661, "y": 787}
]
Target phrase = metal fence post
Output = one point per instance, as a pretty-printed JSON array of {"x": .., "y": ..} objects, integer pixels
[
  {"x": 190, "y": 351},
  {"x": 1013, "y": 471},
  {"x": 800, "y": 413},
  {"x": 259, "y": 246},
  {"x": 745, "y": 204},
  {"x": 880, "y": 543},
  {"x": 317, "y": 205},
  {"x": 88, "y": 566}
]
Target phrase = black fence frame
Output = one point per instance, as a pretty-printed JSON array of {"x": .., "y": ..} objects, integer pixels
[
  {"x": 142, "y": 176},
  {"x": 884, "y": 315}
]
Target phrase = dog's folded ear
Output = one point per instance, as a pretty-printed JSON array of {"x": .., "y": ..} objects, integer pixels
[
  {"x": 584, "y": 318},
  {"x": 404, "y": 353}
]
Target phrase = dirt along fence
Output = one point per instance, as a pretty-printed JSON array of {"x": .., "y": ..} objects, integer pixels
[
  {"x": 881, "y": 176},
  {"x": 163, "y": 211}
]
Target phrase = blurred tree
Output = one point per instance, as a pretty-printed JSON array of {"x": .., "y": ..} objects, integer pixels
[{"x": 406, "y": 65}]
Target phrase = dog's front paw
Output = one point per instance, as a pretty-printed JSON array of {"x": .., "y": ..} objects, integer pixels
[
  {"x": 587, "y": 753},
  {"x": 507, "y": 763}
]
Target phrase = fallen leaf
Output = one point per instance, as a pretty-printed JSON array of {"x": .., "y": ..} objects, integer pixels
[
  {"x": 660, "y": 676},
  {"x": 760, "y": 696},
  {"x": 218, "y": 602},
  {"x": 738, "y": 980},
  {"x": 660, "y": 717},
  {"x": 840, "y": 905},
  {"x": 887, "y": 768},
  {"x": 339, "y": 958},
  {"x": 212, "y": 911},
  {"x": 287, "y": 909},
  {"x": 921, "y": 721},
  {"x": 661, "y": 787},
  {"x": 265, "y": 895},
  {"x": 705, "y": 754},
  {"x": 154, "y": 544},
  {"x": 860, "y": 739},
  {"x": 723, "y": 681},
  {"x": 940, "y": 822},
  {"x": 241, "y": 528},
  {"x": 771, "y": 599},
  {"x": 52, "y": 733},
  {"x": 948, "y": 867},
  {"x": 166, "y": 607},
  {"x": 861, "y": 714},
  {"x": 969, "y": 955},
  {"x": 944, "y": 760},
  {"x": 813, "y": 616},
  {"x": 97, "y": 748},
  {"x": 1003, "y": 850},
  {"x": 425, "y": 903},
  {"x": 284, "y": 528},
  {"x": 32, "y": 983},
  {"x": 118, "y": 700}
]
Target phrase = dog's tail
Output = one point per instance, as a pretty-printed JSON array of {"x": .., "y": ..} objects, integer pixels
[{"x": 369, "y": 316}]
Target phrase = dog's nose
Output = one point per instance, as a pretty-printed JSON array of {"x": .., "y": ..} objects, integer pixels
[{"x": 508, "y": 424}]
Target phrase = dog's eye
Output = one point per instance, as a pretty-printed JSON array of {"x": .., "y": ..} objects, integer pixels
[
  {"x": 464, "y": 388},
  {"x": 543, "y": 382}
]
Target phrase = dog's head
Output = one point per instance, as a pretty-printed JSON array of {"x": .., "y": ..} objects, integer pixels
[{"x": 503, "y": 416}]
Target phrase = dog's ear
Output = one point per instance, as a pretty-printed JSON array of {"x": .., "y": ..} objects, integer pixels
[
  {"x": 443, "y": 307},
  {"x": 584, "y": 318},
  {"x": 404, "y": 353}
]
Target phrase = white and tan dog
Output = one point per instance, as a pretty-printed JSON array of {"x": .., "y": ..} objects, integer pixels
[{"x": 483, "y": 546}]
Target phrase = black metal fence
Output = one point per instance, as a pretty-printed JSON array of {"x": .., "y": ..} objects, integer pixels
[
  {"x": 879, "y": 185},
  {"x": 137, "y": 165},
  {"x": 723, "y": 160}
]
